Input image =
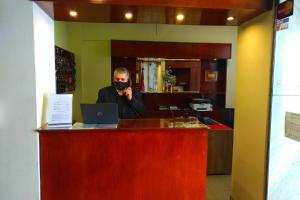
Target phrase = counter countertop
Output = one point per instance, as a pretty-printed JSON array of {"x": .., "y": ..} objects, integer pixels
[{"x": 127, "y": 124}]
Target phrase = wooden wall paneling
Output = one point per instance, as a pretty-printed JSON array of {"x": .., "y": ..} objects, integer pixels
[
  {"x": 222, "y": 68},
  {"x": 173, "y": 50},
  {"x": 218, "y": 86},
  {"x": 195, "y": 77},
  {"x": 170, "y": 49},
  {"x": 212, "y": 50},
  {"x": 219, "y": 158},
  {"x": 124, "y": 48}
]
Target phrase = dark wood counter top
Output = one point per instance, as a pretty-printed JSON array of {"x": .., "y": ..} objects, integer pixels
[{"x": 129, "y": 124}]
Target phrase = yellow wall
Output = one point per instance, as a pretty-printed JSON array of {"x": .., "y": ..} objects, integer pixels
[
  {"x": 91, "y": 44},
  {"x": 254, "y": 55}
]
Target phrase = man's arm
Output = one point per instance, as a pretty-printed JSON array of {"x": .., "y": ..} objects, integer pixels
[
  {"x": 100, "y": 97},
  {"x": 136, "y": 103}
]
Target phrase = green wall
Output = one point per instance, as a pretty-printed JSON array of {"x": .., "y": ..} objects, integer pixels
[
  {"x": 61, "y": 35},
  {"x": 91, "y": 44}
]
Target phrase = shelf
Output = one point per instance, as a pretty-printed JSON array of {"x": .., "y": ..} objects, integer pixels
[
  {"x": 187, "y": 93},
  {"x": 183, "y": 92}
]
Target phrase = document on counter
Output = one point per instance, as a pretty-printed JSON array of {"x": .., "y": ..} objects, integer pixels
[
  {"x": 60, "y": 110},
  {"x": 292, "y": 126}
]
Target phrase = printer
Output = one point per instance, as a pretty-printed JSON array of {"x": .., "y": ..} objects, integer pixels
[{"x": 199, "y": 104}]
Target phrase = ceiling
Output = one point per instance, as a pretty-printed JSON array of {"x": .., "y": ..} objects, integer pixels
[{"x": 196, "y": 12}]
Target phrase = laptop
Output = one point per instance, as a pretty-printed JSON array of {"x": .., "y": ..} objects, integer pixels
[{"x": 100, "y": 113}]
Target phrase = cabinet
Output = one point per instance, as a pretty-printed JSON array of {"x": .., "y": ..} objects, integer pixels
[
  {"x": 200, "y": 68},
  {"x": 220, "y": 146},
  {"x": 188, "y": 73}
]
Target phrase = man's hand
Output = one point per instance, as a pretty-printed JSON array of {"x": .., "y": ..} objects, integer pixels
[{"x": 128, "y": 93}]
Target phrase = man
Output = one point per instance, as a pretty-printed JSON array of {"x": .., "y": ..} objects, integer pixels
[{"x": 129, "y": 100}]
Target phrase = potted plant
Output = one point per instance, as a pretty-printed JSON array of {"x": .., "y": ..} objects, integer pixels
[{"x": 169, "y": 80}]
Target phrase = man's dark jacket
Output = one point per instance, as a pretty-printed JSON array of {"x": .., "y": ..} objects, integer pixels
[{"x": 127, "y": 109}]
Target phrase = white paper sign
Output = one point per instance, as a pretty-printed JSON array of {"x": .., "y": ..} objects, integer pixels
[
  {"x": 60, "y": 110},
  {"x": 292, "y": 126}
]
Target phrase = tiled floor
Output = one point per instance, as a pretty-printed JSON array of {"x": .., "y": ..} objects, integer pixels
[{"x": 218, "y": 187}]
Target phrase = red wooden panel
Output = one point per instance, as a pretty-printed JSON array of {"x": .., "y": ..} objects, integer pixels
[
  {"x": 173, "y": 50},
  {"x": 195, "y": 78},
  {"x": 170, "y": 49},
  {"x": 113, "y": 165},
  {"x": 212, "y": 50},
  {"x": 132, "y": 48}
]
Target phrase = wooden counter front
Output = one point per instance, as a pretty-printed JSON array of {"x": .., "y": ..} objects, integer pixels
[
  {"x": 139, "y": 160},
  {"x": 219, "y": 152}
]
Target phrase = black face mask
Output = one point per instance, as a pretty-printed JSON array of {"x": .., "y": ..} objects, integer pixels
[{"x": 121, "y": 85}]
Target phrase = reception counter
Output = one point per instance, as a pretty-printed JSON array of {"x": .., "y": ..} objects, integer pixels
[{"x": 143, "y": 159}]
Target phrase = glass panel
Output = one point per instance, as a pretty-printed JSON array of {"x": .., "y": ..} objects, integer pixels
[{"x": 284, "y": 153}]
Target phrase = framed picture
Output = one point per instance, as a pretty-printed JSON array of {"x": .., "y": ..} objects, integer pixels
[{"x": 211, "y": 75}]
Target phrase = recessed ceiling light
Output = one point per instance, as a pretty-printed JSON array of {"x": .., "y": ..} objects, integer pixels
[
  {"x": 230, "y": 18},
  {"x": 73, "y": 13},
  {"x": 128, "y": 15},
  {"x": 180, "y": 17}
]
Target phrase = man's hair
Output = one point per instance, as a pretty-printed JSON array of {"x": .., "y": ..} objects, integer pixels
[{"x": 121, "y": 70}]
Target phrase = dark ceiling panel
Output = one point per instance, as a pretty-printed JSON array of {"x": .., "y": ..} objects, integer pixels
[
  {"x": 151, "y": 15},
  {"x": 213, "y": 12},
  {"x": 86, "y": 12},
  {"x": 214, "y": 16},
  {"x": 219, "y": 4},
  {"x": 118, "y": 12}
]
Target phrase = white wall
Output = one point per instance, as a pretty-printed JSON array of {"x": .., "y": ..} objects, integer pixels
[
  {"x": 19, "y": 173},
  {"x": 44, "y": 61}
]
